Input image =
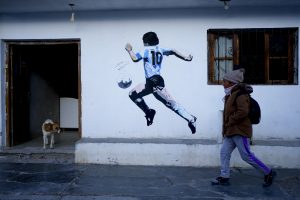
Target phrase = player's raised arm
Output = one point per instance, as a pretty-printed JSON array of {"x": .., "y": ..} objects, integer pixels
[
  {"x": 180, "y": 55},
  {"x": 133, "y": 56}
]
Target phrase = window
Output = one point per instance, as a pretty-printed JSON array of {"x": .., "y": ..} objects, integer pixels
[{"x": 269, "y": 56}]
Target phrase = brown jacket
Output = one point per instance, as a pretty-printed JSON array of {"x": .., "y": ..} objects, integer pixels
[{"x": 236, "y": 108}]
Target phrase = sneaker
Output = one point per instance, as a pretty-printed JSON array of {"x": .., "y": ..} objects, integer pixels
[
  {"x": 268, "y": 180},
  {"x": 150, "y": 116},
  {"x": 192, "y": 125},
  {"x": 220, "y": 181}
]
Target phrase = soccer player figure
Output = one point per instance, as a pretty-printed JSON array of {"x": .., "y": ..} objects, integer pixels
[{"x": 152, "y": 58}]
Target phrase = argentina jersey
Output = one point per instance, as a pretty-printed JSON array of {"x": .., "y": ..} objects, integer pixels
[{"x": 153, "y": 56}]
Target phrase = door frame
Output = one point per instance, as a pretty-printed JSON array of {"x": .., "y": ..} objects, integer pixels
[{"x": 6, "y": 81}]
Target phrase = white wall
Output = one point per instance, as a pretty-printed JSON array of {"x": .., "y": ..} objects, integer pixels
[{"x": 106, "y": 109}]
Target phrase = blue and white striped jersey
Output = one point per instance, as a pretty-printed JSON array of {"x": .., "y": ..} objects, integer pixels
[{"x": 153, "y": 57}]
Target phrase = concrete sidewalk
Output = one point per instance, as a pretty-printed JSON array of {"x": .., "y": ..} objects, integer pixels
[{"x": 110, "y": 182}]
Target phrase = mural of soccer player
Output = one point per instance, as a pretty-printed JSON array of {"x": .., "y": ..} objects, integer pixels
[{"x": 152, "y": 57}]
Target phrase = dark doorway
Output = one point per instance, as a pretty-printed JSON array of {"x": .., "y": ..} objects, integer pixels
[{"x": 39, "y": 74}]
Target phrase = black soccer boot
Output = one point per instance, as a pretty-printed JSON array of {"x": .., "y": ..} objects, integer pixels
[
  {"x": 150, "y": 116},
  {"x": 192, "y": 125}
]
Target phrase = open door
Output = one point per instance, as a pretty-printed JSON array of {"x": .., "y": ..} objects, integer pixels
[
  {"x": 18, "y": 97},
  {"x": 38, "y": 75}
]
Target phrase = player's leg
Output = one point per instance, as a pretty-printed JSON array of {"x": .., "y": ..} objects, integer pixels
[
  {"x": 136, "y": 95},
  {"x": 164, "y": 96}
]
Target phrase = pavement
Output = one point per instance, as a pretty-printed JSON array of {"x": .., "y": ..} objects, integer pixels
[{"x": 48, "y": 181}]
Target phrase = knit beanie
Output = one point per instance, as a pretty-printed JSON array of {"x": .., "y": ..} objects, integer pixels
[{"x": 235, "y": 76}]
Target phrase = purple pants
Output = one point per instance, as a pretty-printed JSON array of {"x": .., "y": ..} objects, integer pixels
[{"x": 243, "y": 145}]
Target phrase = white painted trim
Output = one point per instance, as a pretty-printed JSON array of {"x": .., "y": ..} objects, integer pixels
[{"x": 193, "y": 154}]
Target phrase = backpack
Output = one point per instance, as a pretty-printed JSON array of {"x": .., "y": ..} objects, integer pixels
[{"x": 254, "y": 111}]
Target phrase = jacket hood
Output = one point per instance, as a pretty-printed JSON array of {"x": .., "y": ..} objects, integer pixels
[{"x": 244, "y": 87}]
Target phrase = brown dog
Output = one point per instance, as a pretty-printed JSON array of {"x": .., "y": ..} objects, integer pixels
[{"x": 49, "y": 128}]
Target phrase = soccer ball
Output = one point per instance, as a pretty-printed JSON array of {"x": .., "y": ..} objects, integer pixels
[
  {"x": 125, "y": 83},
  {"x": 124, "y": 79}
]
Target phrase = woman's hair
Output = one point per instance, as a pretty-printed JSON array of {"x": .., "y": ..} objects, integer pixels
[{"x": 151, "y": 39}]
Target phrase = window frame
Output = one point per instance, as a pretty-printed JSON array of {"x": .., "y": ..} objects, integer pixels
[{"x": 292, "y": 54}]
